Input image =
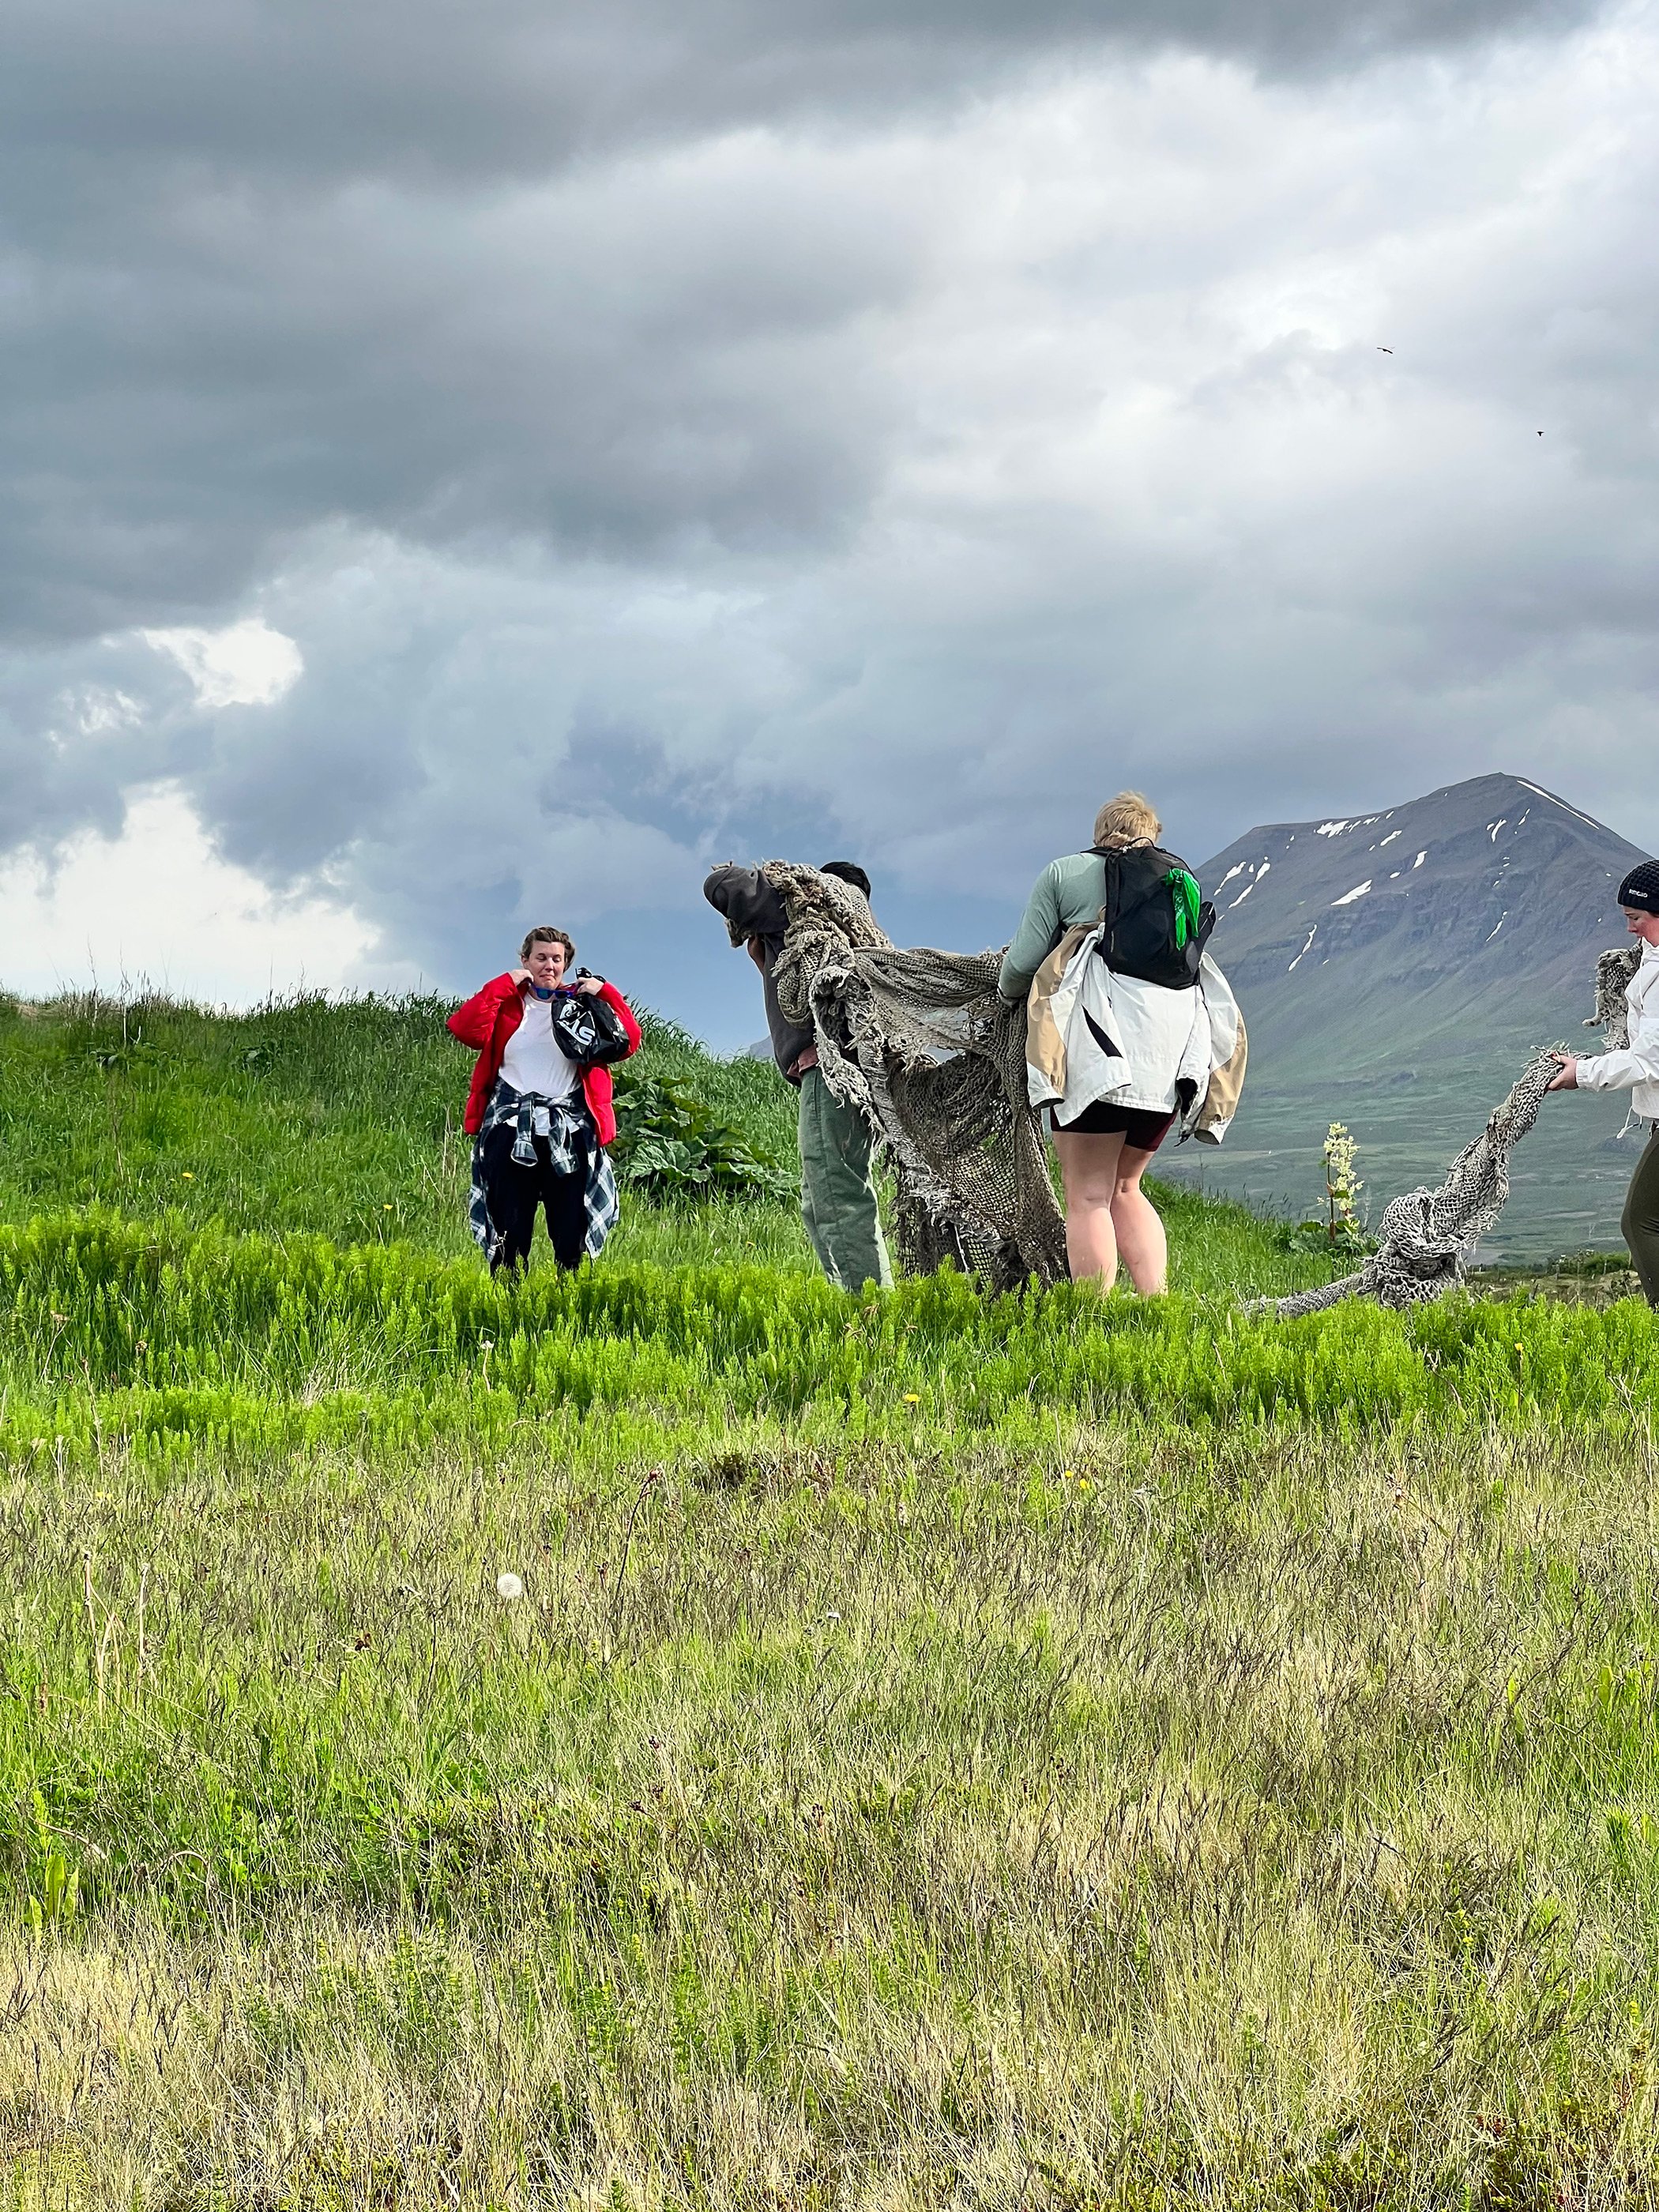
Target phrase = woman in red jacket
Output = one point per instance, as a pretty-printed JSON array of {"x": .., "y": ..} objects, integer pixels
[{"x": 540, "y": 1124}]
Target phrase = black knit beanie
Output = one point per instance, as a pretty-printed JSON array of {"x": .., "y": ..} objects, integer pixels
[{"x": 1641, "y": 888}]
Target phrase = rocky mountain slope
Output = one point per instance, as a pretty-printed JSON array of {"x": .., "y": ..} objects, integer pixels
[
  {"x": 1433, "y": 928},
  {"x": 1395, "y": 969}
]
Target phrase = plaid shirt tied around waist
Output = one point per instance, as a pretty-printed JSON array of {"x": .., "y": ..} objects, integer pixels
[{"x": 564, "y": 1123}]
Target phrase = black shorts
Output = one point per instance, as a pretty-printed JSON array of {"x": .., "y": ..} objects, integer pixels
[{"x": 1142, "y": 1131}]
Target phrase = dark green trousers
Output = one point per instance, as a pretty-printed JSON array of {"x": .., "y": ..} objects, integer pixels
[
  {"x": 1641, "y": 1221},
  {"x": 838, "y": 1189}
]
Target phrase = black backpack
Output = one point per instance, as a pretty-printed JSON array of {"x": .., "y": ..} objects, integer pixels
[{"x": 1156, "y": 924}]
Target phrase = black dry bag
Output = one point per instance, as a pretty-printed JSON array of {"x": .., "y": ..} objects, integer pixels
[
  {"x": 1156, "y": 924},
  {"x": 588, "y": 1029}
]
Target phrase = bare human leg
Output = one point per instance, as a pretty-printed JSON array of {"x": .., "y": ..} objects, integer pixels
[
  {"x": 1089, "y": 1170},
  {"x": 1139, "y": 1227}
]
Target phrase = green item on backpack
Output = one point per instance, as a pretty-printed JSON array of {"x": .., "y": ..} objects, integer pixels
[{"x": 1183, "y": 889}]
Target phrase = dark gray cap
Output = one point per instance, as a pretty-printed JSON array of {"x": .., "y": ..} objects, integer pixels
[{"x": 1641, "y": 888}]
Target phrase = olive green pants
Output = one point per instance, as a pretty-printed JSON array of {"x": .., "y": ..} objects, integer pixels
[
  {"x": 838, "y": 1189},
  {"x": 1641, "y": 1221}
]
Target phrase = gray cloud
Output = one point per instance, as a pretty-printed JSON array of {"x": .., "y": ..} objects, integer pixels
[
  {"x": 676, "y": 431},
  {"x": 673, "y": 352},
  {"x": 420, "y": 90},
  {"x": 265, "y": 267}
]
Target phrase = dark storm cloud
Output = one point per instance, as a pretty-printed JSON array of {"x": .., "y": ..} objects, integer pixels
[
  {"x": 258, "y": 270},
  {"x": 427, "y": 88},
  {"x": 637, "y": 359}
]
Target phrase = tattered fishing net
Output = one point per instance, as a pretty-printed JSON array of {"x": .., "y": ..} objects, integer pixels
[
  {"x": 921, "y": 1044},
  {"x": 1426, "y": 1236}
]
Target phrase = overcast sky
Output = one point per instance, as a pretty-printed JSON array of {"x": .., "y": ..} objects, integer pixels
[{"x": 469, "y": 466}]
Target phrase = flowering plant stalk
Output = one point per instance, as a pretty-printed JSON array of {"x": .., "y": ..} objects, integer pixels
[{"x": 1342, "y": 1185}]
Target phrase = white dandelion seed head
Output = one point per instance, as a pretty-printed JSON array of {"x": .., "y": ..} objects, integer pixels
[{"x": 509, "y": 1585}]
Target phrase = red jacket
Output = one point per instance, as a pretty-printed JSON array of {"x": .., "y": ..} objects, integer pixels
[{"x": 489, "y": 1018}]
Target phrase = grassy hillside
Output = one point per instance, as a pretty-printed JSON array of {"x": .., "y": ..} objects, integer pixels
[
  {"x": 683, "y": 1737},
  {"x": 344, "y": 1121},
  {"x": 339, "y": 1119}
]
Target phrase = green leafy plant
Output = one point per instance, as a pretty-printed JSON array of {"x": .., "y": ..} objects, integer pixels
[
  {"x": 669, "y": 1144},
  {"x": 1340, "y": 1231},
  {"x": 133, "y": 1051}
]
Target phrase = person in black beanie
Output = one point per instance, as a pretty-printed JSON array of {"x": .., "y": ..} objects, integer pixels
[
  {"x": 838, "y": 1203},
  {"x": 1635, "y": 1070}
]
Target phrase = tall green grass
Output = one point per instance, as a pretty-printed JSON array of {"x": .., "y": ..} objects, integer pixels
[
  {"x": 1168, "y": 1819},
  {"x": 342, "y": 1119},
  {"x": 163, "y": 1337}
]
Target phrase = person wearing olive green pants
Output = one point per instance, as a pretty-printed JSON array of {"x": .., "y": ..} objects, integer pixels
[{"x": 838, "y": 1188}]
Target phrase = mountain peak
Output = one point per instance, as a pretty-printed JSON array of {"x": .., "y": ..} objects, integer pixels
[
  {"x": 1484, "y": 900},
  {"x": 1452, "y": 806}
]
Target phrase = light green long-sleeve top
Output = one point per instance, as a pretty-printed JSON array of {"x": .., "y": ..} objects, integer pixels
[{"x": 1069, "y": 890}]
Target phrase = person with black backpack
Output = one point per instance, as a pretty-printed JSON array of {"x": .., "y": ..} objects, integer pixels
[
  {"x": 1133, "y": 1020},
  {"x": 539, "y": 1110}
]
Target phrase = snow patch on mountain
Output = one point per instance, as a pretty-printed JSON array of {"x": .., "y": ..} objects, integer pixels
[
  {"x": 1256, "y": 874},
  {"x": 1539, "y": 791}
]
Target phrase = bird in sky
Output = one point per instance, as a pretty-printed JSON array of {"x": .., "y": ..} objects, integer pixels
[{"x": 1385, "y": 348}]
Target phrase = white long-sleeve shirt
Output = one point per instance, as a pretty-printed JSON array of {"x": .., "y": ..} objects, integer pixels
[{"x": 1635, "y": 1069}]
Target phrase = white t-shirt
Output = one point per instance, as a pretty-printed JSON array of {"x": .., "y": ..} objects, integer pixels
[{"x": 532, "y": 1061}]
